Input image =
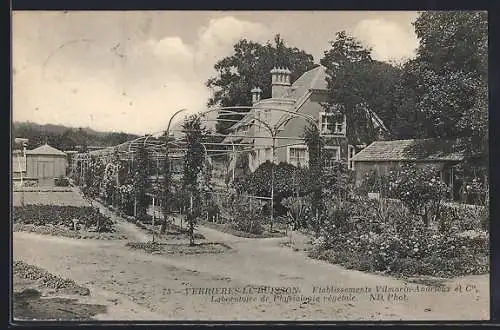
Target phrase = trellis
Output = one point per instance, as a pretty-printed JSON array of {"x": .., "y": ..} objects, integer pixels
[{"x": 159, "y": 144}]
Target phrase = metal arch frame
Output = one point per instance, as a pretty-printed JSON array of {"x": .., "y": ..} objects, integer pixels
[
  {"x": 272, "y": 129},
  {"x": 222, "y": 110}
]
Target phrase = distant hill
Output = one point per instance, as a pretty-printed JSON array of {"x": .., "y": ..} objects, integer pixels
[
  {"x": 55, "y": 129},
  {"x": 66, "y": 138}
]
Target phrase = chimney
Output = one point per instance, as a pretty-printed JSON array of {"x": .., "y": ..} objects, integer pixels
[
  {"x": 256, "y": 94},
  {"x": 280, "y": 81}
]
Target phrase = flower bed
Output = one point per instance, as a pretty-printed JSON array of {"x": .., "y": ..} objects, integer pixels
[
  {"x": 62, "y": 216},
  {"x": 173, "y": 231},
  {"x": 357, "y": 235},
  {"x": 229, "y": 229},
  {"x": 65, "y": 232},
  {"x": 183, "y": 249},
  {"x": 46, "y": 279}
]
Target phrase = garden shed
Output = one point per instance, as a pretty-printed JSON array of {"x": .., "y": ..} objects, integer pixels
[
  {"x": 45, "y": 163},
  {"x": 383, "y": 156}
]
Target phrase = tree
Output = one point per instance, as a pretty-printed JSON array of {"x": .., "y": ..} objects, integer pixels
[
  {"x": 358, "y": 85},
  {"x": 315, "y": 145},
  {"x": 93, "y": 175},
  {"x": 450, "y": 74},
  {"x": 193, "y": 169},
  {"x": 141, "y": 181},
  {"x": 288, "y": 181},
  {"x": 167, "y": 194},
  {"x": 248, "y": 67}
]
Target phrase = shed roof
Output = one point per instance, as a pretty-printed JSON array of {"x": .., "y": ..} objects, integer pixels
[
  {"x": 46, "y": 150},
  {"x": 409, "y": 150}
]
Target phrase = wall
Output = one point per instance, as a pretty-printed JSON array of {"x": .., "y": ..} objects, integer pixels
[
  {"x": 54, "y": 166},
  {"x": 363, "y": 168},
  {"x": 295, "y": 127}
]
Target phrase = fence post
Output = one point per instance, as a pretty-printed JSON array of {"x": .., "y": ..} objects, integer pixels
[
  {"x": 154, "y": 211},
  {"x": 135, "y": 207}
]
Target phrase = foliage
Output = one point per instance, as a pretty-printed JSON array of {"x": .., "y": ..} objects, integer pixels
[
  {"x": 472, "y": 180},
  {"x": 193, "y": 180},
  {"x": 247, "y": 215},
  {"x": 126, "y": 193},
  {"x": 108, "y": 185},
  {"x": 288, "y": 180},
  {"x": 315, "y": 146},
  {"x": 61, "y": 181},
  {"x": 167, "y": 189},
  {"x": 450, "y": 77},
  {"x": 46, "y": 279},
  {"x": 65, "y": 138},
  {"x": 299, "y": 211},
  {"x": 249, "y": 66},
  {"x": 366, "y": 85},
  {"x": 61, "y": 216},
  {"x": 374, "y": 183},
  {"x": 93, "y": 173},
  {"x": 420, "y": 189},
  {"x": 338, "y": 181},
  {"x": 141, "y": 181},
  {"x": 354, "y": 236},
  {"x": 459, "y": 218}
]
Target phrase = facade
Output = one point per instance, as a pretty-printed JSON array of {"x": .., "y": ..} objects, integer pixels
[
  {"x": 45, "y": 163},
  {"x": 383, "y": 156},
  {"x": 301, "y": 102}
]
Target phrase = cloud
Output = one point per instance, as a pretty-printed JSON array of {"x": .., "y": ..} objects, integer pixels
[
  {"x": 217, "y": 38},
  {"x": 389, "y": 40},
  {"x": 131, "y": 75},
  {"x": 170, "y": 48}
]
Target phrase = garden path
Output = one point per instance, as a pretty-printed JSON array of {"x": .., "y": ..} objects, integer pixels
[
  {"x": 141, "y": 282},
  {"x": 146, "y": 279}
]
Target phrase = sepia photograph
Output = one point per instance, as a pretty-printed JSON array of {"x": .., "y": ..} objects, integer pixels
[{"x": 250, "y": 166}]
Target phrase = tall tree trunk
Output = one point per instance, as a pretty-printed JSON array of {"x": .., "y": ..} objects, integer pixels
[{"x": 191, "y": 221}]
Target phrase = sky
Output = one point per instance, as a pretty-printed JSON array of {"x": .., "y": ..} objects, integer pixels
[{"x": 130, "y": 71}]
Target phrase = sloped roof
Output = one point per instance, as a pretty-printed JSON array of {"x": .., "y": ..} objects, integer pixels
[
  {"x": 314, "y": 79},
  {"x": 411, "y": 150},
  {"x": 46, "y": 150}
]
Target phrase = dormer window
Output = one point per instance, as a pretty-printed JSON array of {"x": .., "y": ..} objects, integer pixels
[{"x": 332, "y": 123}]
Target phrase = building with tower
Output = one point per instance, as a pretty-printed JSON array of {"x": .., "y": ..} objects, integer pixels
[{"x": 284, "y": 117}]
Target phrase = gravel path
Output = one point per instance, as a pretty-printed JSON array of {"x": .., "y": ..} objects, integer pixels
[
  {"x": 158, "y": 283},
  {"x": 145, "y": 286}
]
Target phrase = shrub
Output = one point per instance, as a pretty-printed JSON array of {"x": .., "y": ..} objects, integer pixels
[
  {"x": 420, "y": 189},
  {"x": 373, "y": 183},
  {"x": 338, "y": 181},
  {"x": 126, "y": 199},
  {"x": 356, "y": 236},
  {"x": 288, "y": 181},
  {"x": 462, "y": 217},
  {"x": 61, "y": 216},
  {"x": 299, "y": 211},
  {"x": 474, "y": 192},
  {"x": 61, "y": 181},
  {"x": 247, "y": 215}
]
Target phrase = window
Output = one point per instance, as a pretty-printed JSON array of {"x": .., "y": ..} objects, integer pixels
[
  {"x": 331, "y": 154},
  {"x": 350, "y": 153},
  {"x": 297, "y": 156},
  {"x": 332, "y": 123}
]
